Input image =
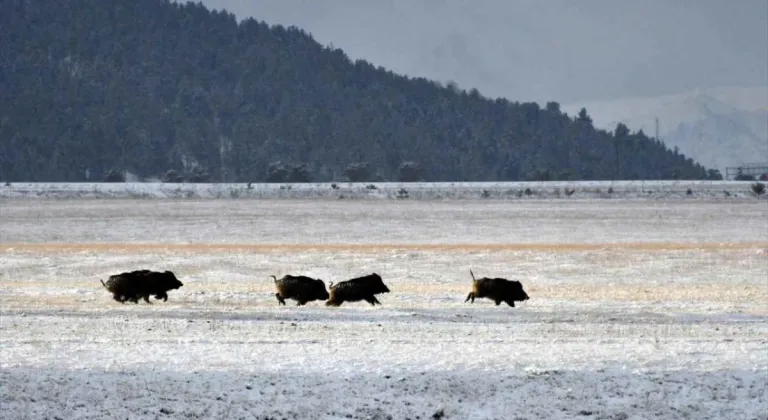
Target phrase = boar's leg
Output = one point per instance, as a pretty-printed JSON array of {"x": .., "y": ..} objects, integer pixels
[
  {"x": 371, "y": 299},
  {"x": 163, "y": 296},
  {"x": 510, "y": 302},
  {"x": 470, "y": 296},
  {"x": 498, "y": 302},
  {"x": 118, "y": 297},
  {"x": 280, "y": 299},
  {"x": 301, "y": 302},
  {"x": 146, "y": 298}
]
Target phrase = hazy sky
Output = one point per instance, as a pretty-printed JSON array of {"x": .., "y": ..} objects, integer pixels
[{"x": 539, "y": 50}]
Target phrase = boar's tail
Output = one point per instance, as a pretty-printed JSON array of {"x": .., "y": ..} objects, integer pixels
[
  {"x": 103, "y": 284},
  {"x": 275, "y": 278},
  {"x": 330, "y": 285},
  {"x": 473, "y": 274}
]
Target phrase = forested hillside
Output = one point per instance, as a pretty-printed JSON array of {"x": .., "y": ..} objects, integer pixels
[{"x": 148, "y": 86}]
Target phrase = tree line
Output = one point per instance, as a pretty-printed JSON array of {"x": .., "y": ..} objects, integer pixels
[{"x": 94, "y": 88}]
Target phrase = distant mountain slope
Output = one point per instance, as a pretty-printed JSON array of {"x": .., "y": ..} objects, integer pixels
[
  {"x": 147, "y": 86},
  {"x": 719, "y": 127}
]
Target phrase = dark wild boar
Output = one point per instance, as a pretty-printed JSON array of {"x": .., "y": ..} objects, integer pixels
[
  {"x": 124, "y": 286},
  {"x": 302, "y": 289},
  {"x": 140, "y": 284},
  {"x": 497, "y": 289},
  {"x": 360, "y": 288}
]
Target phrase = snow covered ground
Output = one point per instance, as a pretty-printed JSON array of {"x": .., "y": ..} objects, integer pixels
[
  {"x": 639, "y": 310},
  {"x": 645, "y": 190}
]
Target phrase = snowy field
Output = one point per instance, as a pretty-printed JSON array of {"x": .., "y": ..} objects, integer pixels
[
  {"x": 640, "y": 309},
  {"x": 644, "y": 190}
]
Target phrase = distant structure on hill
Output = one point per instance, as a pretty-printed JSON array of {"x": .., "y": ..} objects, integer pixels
[{"x": 748, "y": 172}]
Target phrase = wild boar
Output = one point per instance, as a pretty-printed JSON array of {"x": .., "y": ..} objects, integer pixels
[
  {"x": 360, "y": 288},
  {"x": 302, "y": 289},
  {"x": 497, "y": 289},
  {"x": 140, "y": 284}
]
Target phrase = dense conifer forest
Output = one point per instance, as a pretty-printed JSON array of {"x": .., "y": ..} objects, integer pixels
[{"x": 93, "y": 88}]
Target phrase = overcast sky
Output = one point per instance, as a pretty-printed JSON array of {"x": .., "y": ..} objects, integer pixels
[{"x": 540, "y": 50}]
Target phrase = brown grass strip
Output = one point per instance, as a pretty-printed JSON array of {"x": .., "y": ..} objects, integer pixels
[{"x": 304, "y": 247}]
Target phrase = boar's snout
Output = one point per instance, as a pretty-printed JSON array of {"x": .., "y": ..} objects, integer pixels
[{"x": 521, "y": 295}]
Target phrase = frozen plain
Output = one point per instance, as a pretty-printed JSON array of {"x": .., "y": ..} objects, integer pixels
[{"x": 639, "y": 309}]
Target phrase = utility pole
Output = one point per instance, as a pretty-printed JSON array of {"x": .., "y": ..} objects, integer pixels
[{"x": 657, "y": 128}]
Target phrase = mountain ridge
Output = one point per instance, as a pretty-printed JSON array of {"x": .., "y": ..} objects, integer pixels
[
  {"x": 176, "y": 91},
  {"x": 721, "y": 127}
]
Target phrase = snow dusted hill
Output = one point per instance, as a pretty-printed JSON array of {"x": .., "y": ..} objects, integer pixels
[{"x": 718, "y": 127}]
